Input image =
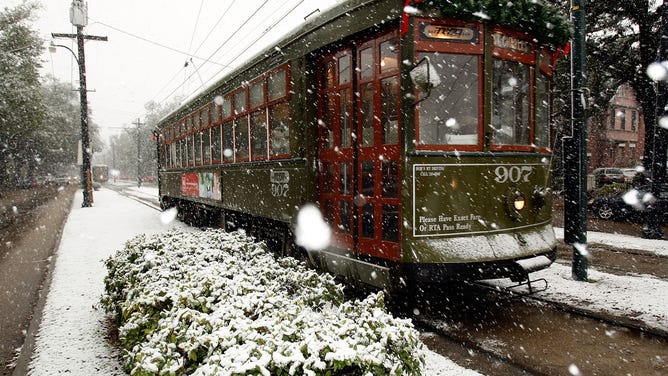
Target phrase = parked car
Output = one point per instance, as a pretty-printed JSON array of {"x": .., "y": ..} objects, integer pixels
[
  {"x": 608, "y": 175},
  {"x": 631, "y": 205},
  {"x": 62, "y": 180},
  {"x": 630, "y": 173}
]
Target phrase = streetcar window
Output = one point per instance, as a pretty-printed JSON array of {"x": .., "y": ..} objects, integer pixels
[
  {"x": 279, "y": 128},
  {"x": 276, "y": 85},
  {"x": 228, "y": 141},
  {"x": 345, "y": 73},
  {"x": 240, "y": 102},
  {"x": 389, "y": 118},
  {"x": 190, "y": 150},
  {"x": 367, "y": 179},
  {"x": 206, "y": 146},
  {"x": 344, "y": 216},
  {"x": 390, "y": 223},
  {"x": 390, "y": 172},
  {"x": 179, "y": 153},
  {"x": 205, "y": 118},
  {"x": 366, "y": 63},
  {"x": 367, "y": 221},
  {"x": 259, "y": 134},
  {"x": 542, "y": 112},
  {"x": 510, "y": 103},
  {"x": 241, "y": 138},
  {"x": 257, "y": 94},
  {"x": 450, "y": 115},
  {"x": 226, "y": 108},
  {"x": 328, "y": 119},
  {"x": 345, "y": 178},
  {"x": 215, "y": 143},
  {"x": 215, "y": 114},
  {"x": 345, "y": 114},
  {"x": 366, "y": 109},
  {"x": 198, "y": 147},
  {"x": 330, "y": 73},
  {"x": 389, "y": 60}
]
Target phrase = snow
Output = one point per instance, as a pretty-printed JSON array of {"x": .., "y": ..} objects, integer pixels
[{"x": 73, "y": 332}]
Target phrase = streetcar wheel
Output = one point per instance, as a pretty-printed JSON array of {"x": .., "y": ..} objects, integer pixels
[{"x": 605, "y": 211}]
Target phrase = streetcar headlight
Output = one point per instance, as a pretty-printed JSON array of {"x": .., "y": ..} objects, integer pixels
[{"x": 516, "y": 203}]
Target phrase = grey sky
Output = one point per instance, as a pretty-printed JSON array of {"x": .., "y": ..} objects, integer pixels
[{"x": 151, "y": 40}]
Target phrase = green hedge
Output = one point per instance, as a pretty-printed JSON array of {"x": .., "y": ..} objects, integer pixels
[{"x": 210, "y": 302}]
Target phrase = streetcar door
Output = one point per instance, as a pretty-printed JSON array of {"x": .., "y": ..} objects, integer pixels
[{"x": 359, "y": 147}]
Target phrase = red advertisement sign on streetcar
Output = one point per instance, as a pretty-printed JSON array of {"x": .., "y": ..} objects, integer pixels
[
  {"x": 189, "y": 185},
  {"x": 203, "y": 184}
]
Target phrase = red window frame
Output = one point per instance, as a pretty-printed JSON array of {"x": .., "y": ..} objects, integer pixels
[{"x": 476, "y": 48}]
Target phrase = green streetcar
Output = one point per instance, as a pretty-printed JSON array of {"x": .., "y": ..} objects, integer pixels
[{"x": 419, "y": 129}]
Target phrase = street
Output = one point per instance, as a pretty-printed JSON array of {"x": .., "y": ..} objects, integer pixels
[{"x": 31, "y": 222}]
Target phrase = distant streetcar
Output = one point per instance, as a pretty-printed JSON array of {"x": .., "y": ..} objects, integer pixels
[
  {"x": 100, "y": 173},
  {"x": 421, "y": 132}
]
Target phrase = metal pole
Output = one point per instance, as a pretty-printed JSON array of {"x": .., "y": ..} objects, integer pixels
[
  {"x": 657, "y": 162},
  {"x": 575, "y": 152},
  {"x": 138, "y": 123},
  {"x": 85, "y": 140}
]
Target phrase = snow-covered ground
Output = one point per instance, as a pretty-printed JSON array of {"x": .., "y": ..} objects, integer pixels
[{"x": 72, "y": 335}]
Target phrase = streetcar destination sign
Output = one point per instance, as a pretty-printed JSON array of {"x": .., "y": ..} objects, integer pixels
[
  {"x": 510, "y": 42},
  {"x": 456, "y": 33}
]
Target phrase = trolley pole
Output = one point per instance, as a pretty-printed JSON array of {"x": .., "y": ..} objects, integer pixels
[
  {"x": 575, "y": 151},
  {"x": 656, "y": 165},
  {"x": 79, "y": 18}
]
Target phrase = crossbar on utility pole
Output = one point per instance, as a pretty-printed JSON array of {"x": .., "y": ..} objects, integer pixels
[{"x": 86, "y": 175}]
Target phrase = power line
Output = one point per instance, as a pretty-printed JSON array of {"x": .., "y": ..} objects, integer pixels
[
  {"x": 214, "y": 26},
  {"x": 249, "y": 45},
  {"x": 154, "y": 42},
  {"x": 196, "y": 50},
  {"x": 218, "y": 49},
  {"x": 199, "y": 12}
]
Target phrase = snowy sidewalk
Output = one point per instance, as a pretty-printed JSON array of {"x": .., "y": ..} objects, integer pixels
[{"x": 73, "y": 333}]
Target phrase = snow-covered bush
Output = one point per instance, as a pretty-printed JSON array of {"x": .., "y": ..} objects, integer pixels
[{"x": 215, "y": 303}]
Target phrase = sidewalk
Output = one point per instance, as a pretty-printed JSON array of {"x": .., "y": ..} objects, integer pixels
[{"x": 73, "y": 335}]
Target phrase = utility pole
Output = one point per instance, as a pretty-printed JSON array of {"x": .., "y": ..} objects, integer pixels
[
  {"x": 138, "y": 124},
  {"x": 575, "y": 151},
  {"x": 656, "y": 165},
  {"x": 79, "y": 18}
]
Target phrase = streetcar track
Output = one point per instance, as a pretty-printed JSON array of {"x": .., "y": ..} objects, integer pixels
[
  {"x": 128, "y": 194},
  {"x": 476, "y": 333}
]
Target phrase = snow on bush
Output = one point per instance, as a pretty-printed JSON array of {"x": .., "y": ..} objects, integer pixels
[{"x": 215, "y": 303}]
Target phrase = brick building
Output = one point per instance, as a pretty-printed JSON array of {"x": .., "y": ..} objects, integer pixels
[{"x": 617, "y": 138}]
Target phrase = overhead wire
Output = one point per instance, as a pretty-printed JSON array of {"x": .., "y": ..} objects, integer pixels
[
  {"x": 196, "y": 50},
  {"x": 220, "y": 47},
  {"x": 155, "y": 43},
  {"x": 192, "y": 38},
  {"x": 249, "y": 45},
  {"x": 215, "y": 25}
]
